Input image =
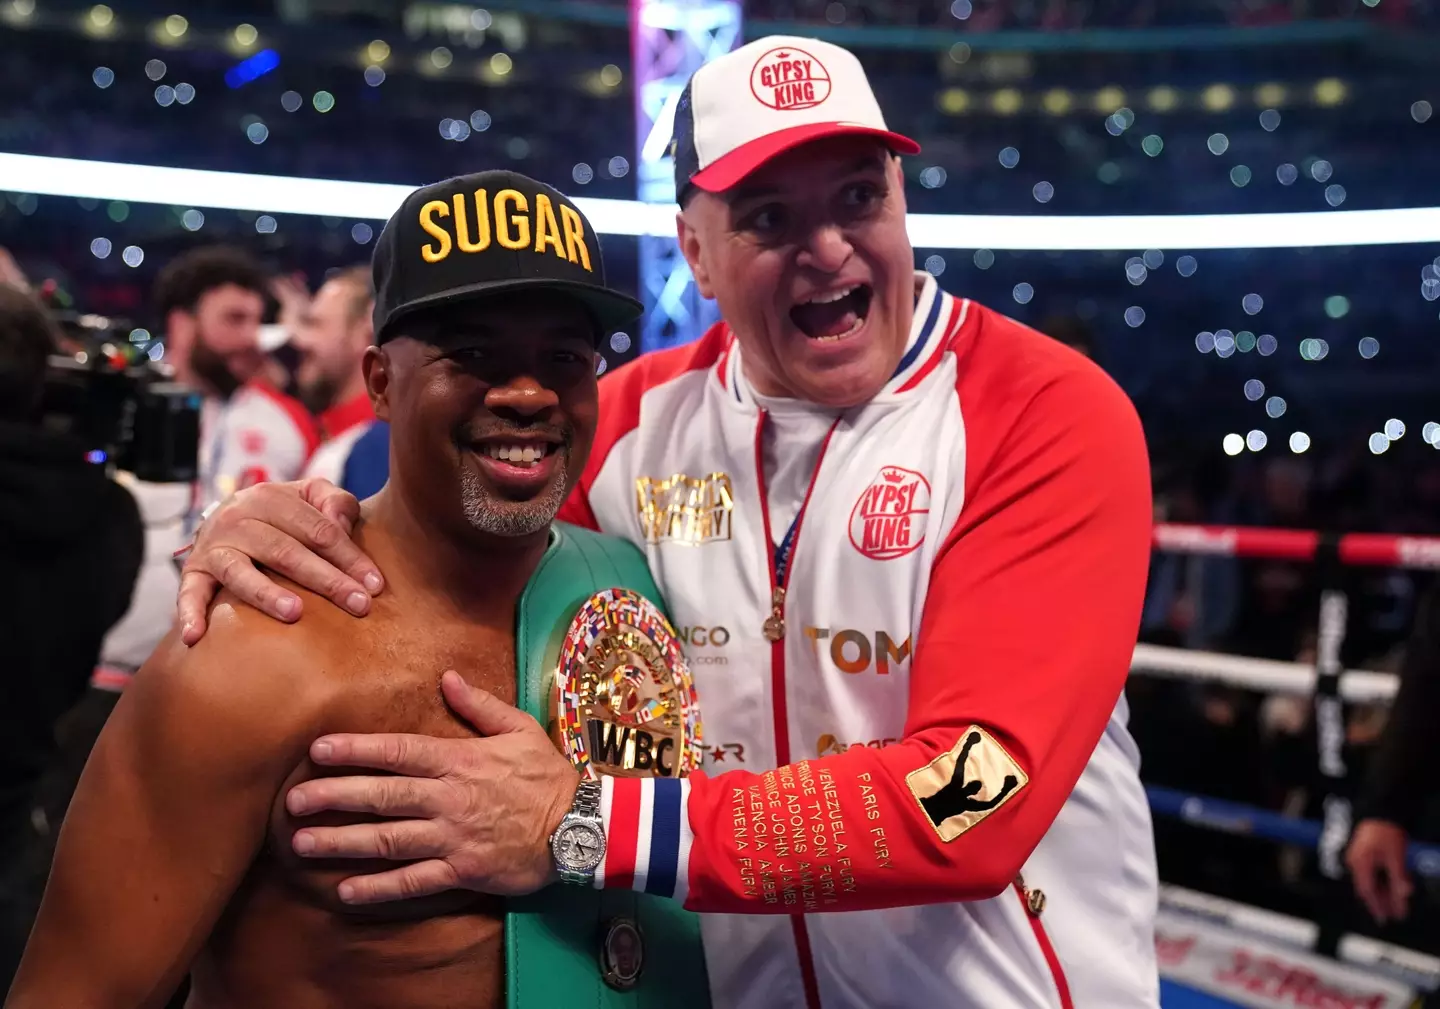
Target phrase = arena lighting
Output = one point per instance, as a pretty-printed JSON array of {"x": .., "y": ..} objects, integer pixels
[{"x": 276, "y": 194}]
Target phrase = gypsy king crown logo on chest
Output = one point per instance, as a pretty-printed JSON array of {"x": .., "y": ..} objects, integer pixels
[
  {"x": 889, "y": 519},
  {"x": 625, "y": 701}
]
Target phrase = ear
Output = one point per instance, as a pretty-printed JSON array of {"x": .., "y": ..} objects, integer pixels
[
  {"x": 375, "y": 366},
  {"x": 689, "y": 240}
]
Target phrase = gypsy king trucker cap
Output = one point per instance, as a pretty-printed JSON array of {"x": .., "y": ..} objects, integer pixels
[{"x": 742, "y": 109}]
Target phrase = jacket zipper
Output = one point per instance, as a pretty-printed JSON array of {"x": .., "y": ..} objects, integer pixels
[
  {"x": 773, "y": 629},
  {"x": 1034, "y": 904}
]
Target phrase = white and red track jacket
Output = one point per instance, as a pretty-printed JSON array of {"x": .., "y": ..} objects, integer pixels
[
  {"x": 936, "y": 745},
  {"x": 257, "y": 435}
]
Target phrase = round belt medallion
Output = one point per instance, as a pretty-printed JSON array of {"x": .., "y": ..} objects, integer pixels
[
  {"x": 622, "y": 954},
  {"x": 624, "y": 698}
]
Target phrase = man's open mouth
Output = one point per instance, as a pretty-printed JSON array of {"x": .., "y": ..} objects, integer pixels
[{"x": 833, "y": 315}]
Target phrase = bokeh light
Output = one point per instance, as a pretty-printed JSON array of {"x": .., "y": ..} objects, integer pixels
[
  {"x": 1233, "y": 444},
  {"x": 1299, "y": 442}
]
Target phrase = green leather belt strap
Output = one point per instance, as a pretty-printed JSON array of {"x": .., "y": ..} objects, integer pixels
[{"x": 553, "y": 938}]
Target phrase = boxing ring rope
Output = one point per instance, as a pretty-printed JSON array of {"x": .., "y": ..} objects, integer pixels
[
  {"x": 1354, "y": 549},
  {"x": 1328, "y": 683}
]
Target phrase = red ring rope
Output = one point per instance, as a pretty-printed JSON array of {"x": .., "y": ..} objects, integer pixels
[{"x": 1369, "y": 549}]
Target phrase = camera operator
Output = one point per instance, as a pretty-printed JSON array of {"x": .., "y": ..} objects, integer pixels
[
  {"x": 71, "y": 544},
  {"x": 212, "y": 301}
]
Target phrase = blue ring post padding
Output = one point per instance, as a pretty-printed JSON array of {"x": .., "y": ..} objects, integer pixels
[{"x": 1238, "y": 818}]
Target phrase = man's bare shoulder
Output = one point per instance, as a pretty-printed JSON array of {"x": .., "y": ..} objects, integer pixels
[{"x": 249, "y": 683}]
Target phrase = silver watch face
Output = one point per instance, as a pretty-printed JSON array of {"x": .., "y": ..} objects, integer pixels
[{"x": 579, "y": 847}]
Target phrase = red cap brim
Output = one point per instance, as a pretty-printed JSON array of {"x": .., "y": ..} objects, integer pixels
[{"x": 730, "y": 169}]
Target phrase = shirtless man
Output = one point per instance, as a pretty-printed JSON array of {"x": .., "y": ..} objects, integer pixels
[{"x": 176, "y": 855}]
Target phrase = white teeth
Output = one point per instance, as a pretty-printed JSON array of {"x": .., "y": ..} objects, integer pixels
[
  {"x": 517, "y": 455},
  {"x": 825, "y": 299}
]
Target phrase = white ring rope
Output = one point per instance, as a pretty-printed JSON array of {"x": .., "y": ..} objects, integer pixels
[{"x": 1267, "y": 675}]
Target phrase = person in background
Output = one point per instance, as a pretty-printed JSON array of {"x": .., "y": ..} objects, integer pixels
[
  {"x": 212, "y": 302},
  {"x": 1401, "y": 781},
  {"x": 66, "y": 531},
  {"x": 331, "y": 339}
]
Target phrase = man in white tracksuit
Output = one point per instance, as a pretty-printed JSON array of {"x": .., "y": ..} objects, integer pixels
[{"x": 906, "y": 539}]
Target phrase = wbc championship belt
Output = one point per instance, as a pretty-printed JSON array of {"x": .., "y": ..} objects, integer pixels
[
  {"x": 600, "y": 665},
  {"x": 624, "y": 698}
]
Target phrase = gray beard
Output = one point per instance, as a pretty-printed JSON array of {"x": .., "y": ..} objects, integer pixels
[{"x": 508, "y": 518}]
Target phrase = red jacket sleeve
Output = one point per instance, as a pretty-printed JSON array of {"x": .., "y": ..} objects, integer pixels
[{"x": 1023, "y": 651}]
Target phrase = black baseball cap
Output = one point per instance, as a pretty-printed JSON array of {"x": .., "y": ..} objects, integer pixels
[{"x": 490, "y": 233}]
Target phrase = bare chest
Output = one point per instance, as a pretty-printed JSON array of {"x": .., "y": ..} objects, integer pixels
[{"x": 393, "y": 686}]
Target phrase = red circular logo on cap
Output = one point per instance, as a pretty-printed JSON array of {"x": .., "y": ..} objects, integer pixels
[{"x": 788, "y": 79}]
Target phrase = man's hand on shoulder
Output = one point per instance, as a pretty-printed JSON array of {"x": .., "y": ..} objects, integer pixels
[{"x": 300, "y": 530}]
